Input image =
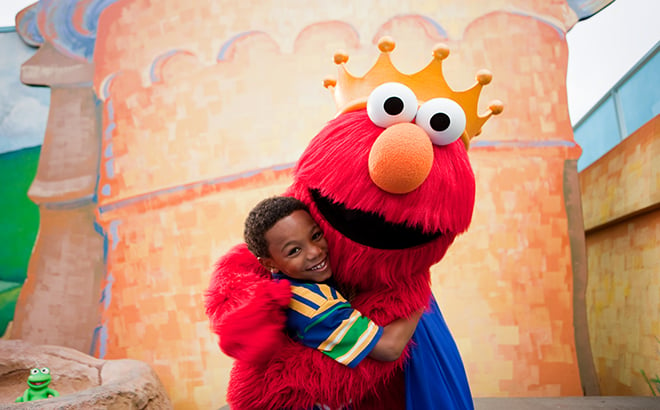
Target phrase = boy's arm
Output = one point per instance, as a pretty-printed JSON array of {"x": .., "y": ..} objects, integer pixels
[{"x": 395, "y": 338}]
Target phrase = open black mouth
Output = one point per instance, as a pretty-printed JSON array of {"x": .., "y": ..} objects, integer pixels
[{"x": 368, "y": 228}]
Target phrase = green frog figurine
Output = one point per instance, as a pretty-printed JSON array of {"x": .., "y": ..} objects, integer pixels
[{"x": 38, "y": 389}]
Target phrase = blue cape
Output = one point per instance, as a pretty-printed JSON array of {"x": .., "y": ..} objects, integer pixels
[{"x": 435, "y": 376}]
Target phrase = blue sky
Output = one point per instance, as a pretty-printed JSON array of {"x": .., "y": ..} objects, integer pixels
[{"x": 17, "y": 130}]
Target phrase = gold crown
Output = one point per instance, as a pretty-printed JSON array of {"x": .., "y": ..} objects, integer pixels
[{"x": 351, "y": 92}]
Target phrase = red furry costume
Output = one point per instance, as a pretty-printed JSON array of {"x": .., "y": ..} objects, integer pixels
[{"x": 381, "y": 247}]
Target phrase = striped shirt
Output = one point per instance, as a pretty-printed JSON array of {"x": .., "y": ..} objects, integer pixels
[{"x": 319, "y": 317}]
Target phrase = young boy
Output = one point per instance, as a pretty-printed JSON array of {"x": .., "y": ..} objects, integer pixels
[{"x": 281, "y": 233}]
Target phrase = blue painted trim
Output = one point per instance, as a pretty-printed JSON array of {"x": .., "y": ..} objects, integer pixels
[
  {"x": 8, "y": 29},
  {"x": 558, "y": 29},
  {"x": 107, "y": 134},
  {"x": 98, "y": 108},
  {"x": 103, "y": 340},
  {"x": 107, "y": 153},
  {"x": 209, "y": 182},
  {"x": 157, "y": 62},
  {"x": 105, "y": 85},
  {"x": 99, "y": 336},
  {"x": 113, "y": 231},
  {"x": 231, "y": 41},
  {"x": 106, "y": 190},
  {"x": 438, "y": 27},
  {"x": 95, "y": 339},
  {"x": 99, "y": 229},
  {"x": 106, "y": 295},
  {"x": 75, "y": 203},
  {"x": 109, "y": 168},
  {"x": 585, "y": 8}
]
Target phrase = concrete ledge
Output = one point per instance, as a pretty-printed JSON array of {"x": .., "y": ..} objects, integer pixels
[{"x": 569, "y": 403}]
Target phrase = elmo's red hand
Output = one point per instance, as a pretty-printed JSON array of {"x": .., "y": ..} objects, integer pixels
[
  {"x": 247, "y": 308},
  {"x": 255, "y": 330}
]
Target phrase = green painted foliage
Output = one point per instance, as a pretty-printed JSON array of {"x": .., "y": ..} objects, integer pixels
[
  {"x": 19, "y": 223},
  {"x": 19, "y": 216},
  {"x": 8, "y": 295}
]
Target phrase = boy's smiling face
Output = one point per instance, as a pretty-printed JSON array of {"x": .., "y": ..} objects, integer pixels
[{"x": 298, "y": 249}]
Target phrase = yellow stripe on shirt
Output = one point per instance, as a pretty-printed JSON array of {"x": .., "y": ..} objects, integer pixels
[
  {"x": 302, "y": 308},
  {"x": 325, "y": 289},
  {"x": 339, "y": 333},
  {"x": 308, "y": 294},
  {"x": 364, "y": 341},
  {"x": 327, "y": 305}
]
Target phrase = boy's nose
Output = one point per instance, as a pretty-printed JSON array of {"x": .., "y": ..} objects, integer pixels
[{"x": 314, "y": 251}]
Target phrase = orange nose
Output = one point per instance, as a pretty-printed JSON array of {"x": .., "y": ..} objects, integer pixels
[{"x": 401, "y": 158}]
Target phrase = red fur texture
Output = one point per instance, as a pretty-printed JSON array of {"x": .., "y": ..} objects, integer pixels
[
  {"x": 261, "y": 321},
  {"x": 298, "y": 377},
  {"x": 246, "y": 308},
  {"x": 384, "y": 284},
  {"x": 444, "y": 202}
]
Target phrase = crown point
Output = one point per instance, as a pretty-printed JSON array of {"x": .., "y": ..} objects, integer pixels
[
  {"x": 496, "y": 107},
  {"x": 484, "y": 77},
  {"x": 329, "y": 82},
  {"x": 386, "y": 44},
  {"x": 440, "y": 51},
  {"x": 340, "y": 57}
]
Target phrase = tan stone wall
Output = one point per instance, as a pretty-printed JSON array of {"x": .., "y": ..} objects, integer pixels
[{"x": 621, "y": 198}]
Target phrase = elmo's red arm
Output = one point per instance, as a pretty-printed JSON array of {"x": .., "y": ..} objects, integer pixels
[{"x": 246, "y": 308}]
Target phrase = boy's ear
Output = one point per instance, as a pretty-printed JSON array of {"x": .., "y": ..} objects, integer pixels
[{"x": 268, "y": 264}]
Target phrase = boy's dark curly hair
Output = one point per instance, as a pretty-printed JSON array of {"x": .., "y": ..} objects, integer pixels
[{"x": 263, "y": 216}]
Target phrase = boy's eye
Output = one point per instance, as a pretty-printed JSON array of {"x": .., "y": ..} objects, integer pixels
[
  {"x": 293, "y": 251},
  {"x": 317, "y": 235}
]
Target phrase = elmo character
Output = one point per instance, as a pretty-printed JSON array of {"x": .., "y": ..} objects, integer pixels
[{"x": 389, "y": 182}]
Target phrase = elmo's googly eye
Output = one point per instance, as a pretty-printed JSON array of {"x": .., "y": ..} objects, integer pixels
[
  {"x": 442, "y": 119},
  {"x": 391, "y": 103},
  {"x": 45, "y": 370},
  {"x": 34, "y": 371}
]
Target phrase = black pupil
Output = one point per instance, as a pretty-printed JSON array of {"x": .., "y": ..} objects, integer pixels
[
  {"x": 440, "y": 121},
  {"x": 393, "y": 106}
]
